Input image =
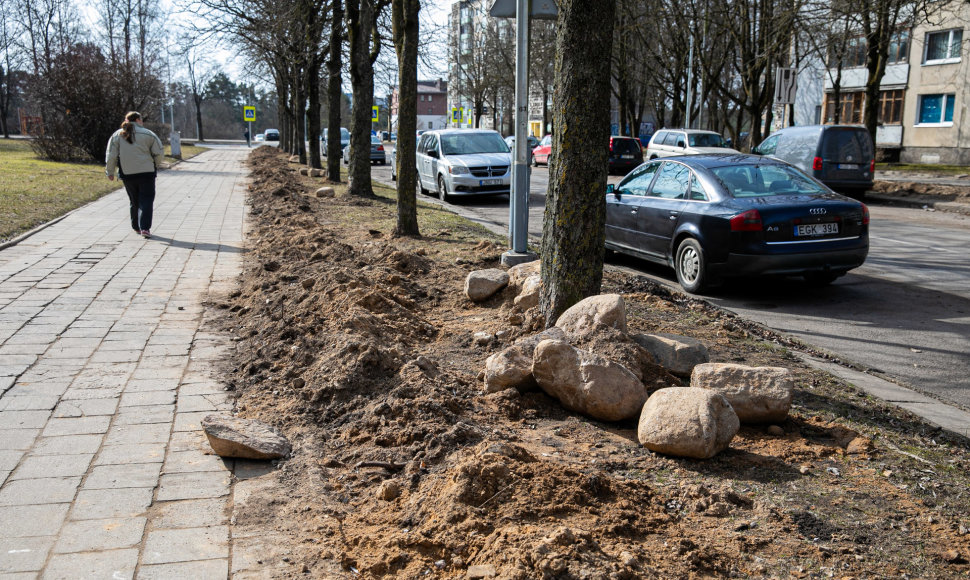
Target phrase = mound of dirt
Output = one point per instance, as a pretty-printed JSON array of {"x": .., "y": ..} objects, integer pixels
[{"x": 359, "y": 346}]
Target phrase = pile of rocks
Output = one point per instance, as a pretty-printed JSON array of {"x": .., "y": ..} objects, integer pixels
[{"x": 592, "y": 365}]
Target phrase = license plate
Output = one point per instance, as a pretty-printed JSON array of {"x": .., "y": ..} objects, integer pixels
[
  {"x": 626, "y": 156},
  {"x": 817, "y": 229},
  {"x": 848, "y": 166},
  {"x": 490, "y": 182}
]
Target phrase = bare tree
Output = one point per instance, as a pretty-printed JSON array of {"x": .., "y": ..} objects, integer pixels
[
  {"x": 573, "y": 231},
  {"x": 334, "y": 91},
  {"x": 406, "y": 27},
  {"x": 9, "y": 58},
  {"x": 200, "y": 69},
  {"x": 365, "y": 46}
]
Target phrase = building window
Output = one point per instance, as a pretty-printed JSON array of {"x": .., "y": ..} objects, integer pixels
[
  {"x": 431, "y": 110},
  {"x": 943, "y": 47},
  {"x": 891, "y": 107},
  {"x": 850, "y": 107},
  {"x": 430, "y": 97},
  {"x": 899, "y": 47},
  {"x": 935, "y": 110}
]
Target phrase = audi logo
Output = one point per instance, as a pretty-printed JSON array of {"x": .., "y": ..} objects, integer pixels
[{"x": 817, "y": 211}]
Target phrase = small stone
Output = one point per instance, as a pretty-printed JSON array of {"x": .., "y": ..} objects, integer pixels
[
  {"x": 953, "y": 557},
  {"x": 482, "y": 338},
  {"x": 299, "y": 383},
  {"x": 308, "y": 283},
  {"x": 316, "y": 172},
  {"x": 502, "y": 334},
  {"x": 483, "y": 284},
  {"x": 859, "y": 446},
  {"x": 481, "y": 571},
  {"x": 804, "y": 469},
  {"x": 389, "y": 490},
  {"x": 887, "y": 473},
  {"x": 440, "y": 564},
  {"x": 963, "y": 530},
  {"x": 326, "y": 192},
  {"x": 775, "y": 431},
  {"x": 628, "y": 559},
  {"x": 304, "y": 171},
  {"x": 244, "y": 438},
  {"x": 516, "y": 319}
]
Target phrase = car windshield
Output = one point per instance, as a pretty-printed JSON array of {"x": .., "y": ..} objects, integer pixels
[
  {"x": 765, "y": 180},
  {"x": 375, "y": 140},
  {"x": 706, "y": 140},
  {"x": 471, "y": 143}
]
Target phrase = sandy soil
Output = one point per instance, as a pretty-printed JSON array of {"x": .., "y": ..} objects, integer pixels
[{"x": 359, "y": 346}]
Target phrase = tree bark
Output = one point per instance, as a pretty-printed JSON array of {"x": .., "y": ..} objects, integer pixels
[
  {"x": 334, "y": 93},
  {"x": 573, "y": 232},
  {"x": 406, "y": 28},
  {"x": 364, "y": 48}
]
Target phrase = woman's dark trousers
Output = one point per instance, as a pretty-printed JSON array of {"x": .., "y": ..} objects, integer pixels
[{"x": 141, "y": 195}]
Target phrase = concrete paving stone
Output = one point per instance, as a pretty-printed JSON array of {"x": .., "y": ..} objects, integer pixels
[
  {"x": 22, "y": 349},
  {"x": 25, "y": 387},
  {"x": 66, "y": 366},
  {"x": 6, "y": 382},
  {"x": 166, "y": 350},
  {"x": 92, "y": 380},
  {"x": 24, "y": 554},
  {"x": 40, "y": 466},
  {"x": 110, "y": 345},
  {"x": 190, "y": 461},
  {"x": 171, "y": 337},
  {"x": 147, "y": 398},
  {"x": 143, "y": 385},
  {"x": 81, "y": 394},
  {"x": 186, "y": 545},
  {"x": 259, "y": 556},
  {"x": 9, "y": 370},
  {"x": 193, "y": 388},
  {"x": 250, "y": 468},
  {"x": 114, "y": 564},
  {"x": 42, "y": 491},
  {"x": 131, "y": 454},
  {"x": 80, "y": 343},
  {"x": 77, "y": 426},
  {"x": 86, "y": 408},
  {"x": 189, "y": 441},
  {"x": 73, "y": 354},
  {"x": 123, "y": 476},
  {"x": 200, "y": 403},
  {"x": 200, "y": 569},
  {"x": 68, "y": 445},
  {"x": 205, "y": 484},
  {"x": 9, "y": 458},
  {"x": 29, "y": 403},
  {"x": 21, "y": 521},
  {"x": 190, "y": 513},
  {"x": 126, "y": 434},
  {"x": 102, "y": 504},
  {"x": 189, "y": 421},
  {"x": 150, "y": 373},
  {"x": 145, "y": 415},
  {"x": 23, "y": 419},
  {"x": 19, "y": 360},
  {"x": 115, "y": 356},
  {"x": 76, "y": 331},
  {"x": 91, "y": 535},
  {"x": 17, "y": 439}
]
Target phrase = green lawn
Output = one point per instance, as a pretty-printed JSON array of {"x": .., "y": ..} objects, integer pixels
[
  {"x": 924, "y": 168},
  {"x": 33, "y": 191}
]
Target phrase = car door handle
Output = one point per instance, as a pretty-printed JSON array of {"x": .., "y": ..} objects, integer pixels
[
  {"x": 633, "y": 211},
  {"x": 673, "y": 216}
]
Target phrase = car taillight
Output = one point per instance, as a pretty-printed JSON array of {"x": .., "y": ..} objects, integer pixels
[
  {"x": 865, "y": 215},
  {"x": 872, "y": 166},
  {"x": 749, "y": 221},
  {"x": 817, "y": 164},
  {"x": 611, "y": 144},
  {"x": 380, "y": 147}
]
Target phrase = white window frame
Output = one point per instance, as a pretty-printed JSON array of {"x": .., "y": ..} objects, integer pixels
[
  {"x": 949, "y": 42},
  {"x": 947, "y": 97}
]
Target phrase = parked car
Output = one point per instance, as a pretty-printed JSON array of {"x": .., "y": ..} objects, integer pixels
[
  {"x": 840, "y": 156},
  {"x": 377, "y": 153},
  {"x": 533, "y": 143},
  {"x": 542, "y": 153},
  {"x": 463, "y": 162},
  {"x": 271, "y": 136},
  {"x": 625, "y": 153},
  {"x": 393, "y": 137},
  {"x": 713, "y": 216},
  {"x": 344, "y": 139},
  {"x": 670, "y": 142},
  {"x": 259, "y": 138}
]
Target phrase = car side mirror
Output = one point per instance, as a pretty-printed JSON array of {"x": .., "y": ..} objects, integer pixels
[
  {"x": 610, "y": 188},
  {"x": 681, "y": 144},
  {"x": 433, "y": 153}
]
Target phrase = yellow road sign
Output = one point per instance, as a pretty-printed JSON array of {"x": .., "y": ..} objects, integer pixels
[
  {"x": 249, "y": 113},
  {"x": 375, "y": 113}
]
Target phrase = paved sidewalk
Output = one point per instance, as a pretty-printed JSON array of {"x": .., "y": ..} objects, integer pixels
[{"x": 105, "y": 374}]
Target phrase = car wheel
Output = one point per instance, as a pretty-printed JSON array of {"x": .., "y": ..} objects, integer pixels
[
  {"x": 819, "y": 279},
  {"x": 393, "y": 173},
  {"x": 535, "y": 162},
  {"x": 691, "y": 266},
  {"x": 443, "y": 189},
  {"x": 417, "y": 177}
]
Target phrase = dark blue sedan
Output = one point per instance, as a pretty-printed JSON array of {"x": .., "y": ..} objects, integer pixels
[{"x": 717, "y": 216}]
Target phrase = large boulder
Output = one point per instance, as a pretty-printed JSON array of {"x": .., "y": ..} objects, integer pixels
[
  {"x": 586, "y": 382},
  {"x": 606, "y": 309},
  {"x": 687, "y": 422},
  {"x": 521, "y": 272},
  {"x": 530, "y": 342},
  {"x": 244, "y": 438},
  {"x": 510, "y": 369},
  {"x": 529, "y": 293},
  {"x": 620, "y": 348},
  {"x": 483, "y": 284},
  {"x": 678, "y": 354},
  {"x": 758, "y": 394}
]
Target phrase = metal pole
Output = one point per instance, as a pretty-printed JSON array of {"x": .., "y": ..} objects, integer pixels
[
  {"x": 690, "y": 74},
  {"x": 519, "y": 208}
]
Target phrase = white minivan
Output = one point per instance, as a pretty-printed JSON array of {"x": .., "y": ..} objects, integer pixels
[
  {"x": 670, "y": 142},
  {"x": 463, "y": 162}
]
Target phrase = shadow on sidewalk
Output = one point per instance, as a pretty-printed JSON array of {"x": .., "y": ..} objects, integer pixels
[{"x": 206, "y": 247}]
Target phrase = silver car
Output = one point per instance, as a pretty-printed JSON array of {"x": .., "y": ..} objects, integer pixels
[{"x": 463, "y": 162}]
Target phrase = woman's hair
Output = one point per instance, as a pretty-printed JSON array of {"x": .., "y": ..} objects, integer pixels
[{"x": 128, "y": 126}]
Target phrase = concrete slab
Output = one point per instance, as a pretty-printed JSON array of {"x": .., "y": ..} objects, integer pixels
[
  {"x": 185, "y": 545},
  {"x": 91, "y": 535},
  {"x": 115, "y": 564}
]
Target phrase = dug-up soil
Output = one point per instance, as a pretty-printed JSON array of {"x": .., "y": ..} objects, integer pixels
[
  {"x": 923, "y": 192},
  {"x": 360, "y": 347}
]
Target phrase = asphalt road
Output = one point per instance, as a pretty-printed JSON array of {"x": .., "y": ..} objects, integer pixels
[{"x": 905, "y": 313}]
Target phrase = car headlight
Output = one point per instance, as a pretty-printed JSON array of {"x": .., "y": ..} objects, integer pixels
[{"x": 458, "y": 170}]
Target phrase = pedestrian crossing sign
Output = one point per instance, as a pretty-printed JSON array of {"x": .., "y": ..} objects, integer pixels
[
  {"x": 375, "y": 112},
  {"x": 249, "y": 114}
]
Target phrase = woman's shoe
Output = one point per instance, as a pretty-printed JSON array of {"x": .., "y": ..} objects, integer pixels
[{"x": 146, "y": 234}]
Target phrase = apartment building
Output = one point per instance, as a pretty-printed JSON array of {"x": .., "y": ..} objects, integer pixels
[
  {"x": 923, "y": 95},
  {"x": 432, "y": 104}
]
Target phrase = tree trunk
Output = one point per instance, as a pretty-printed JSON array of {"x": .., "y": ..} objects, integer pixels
[
  {"x": 334, "y": 93},
  {"x": 313, "y": 118},
  {"x": 361, "y": 25},
  {"x": 573, "y": 230},
  {"x": 405, "y": 18},
  {"x": 198, "y": 115}
]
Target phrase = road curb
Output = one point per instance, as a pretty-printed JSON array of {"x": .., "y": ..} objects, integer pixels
[{"x": 921, "y": 203}]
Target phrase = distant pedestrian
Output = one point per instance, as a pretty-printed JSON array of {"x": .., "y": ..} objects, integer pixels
[
  {"x": 246, "y": 135},
  {"x": 137, "y": 154}
]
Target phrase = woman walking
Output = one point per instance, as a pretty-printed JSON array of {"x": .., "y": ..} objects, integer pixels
[{"x": 137, "y": 153}]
